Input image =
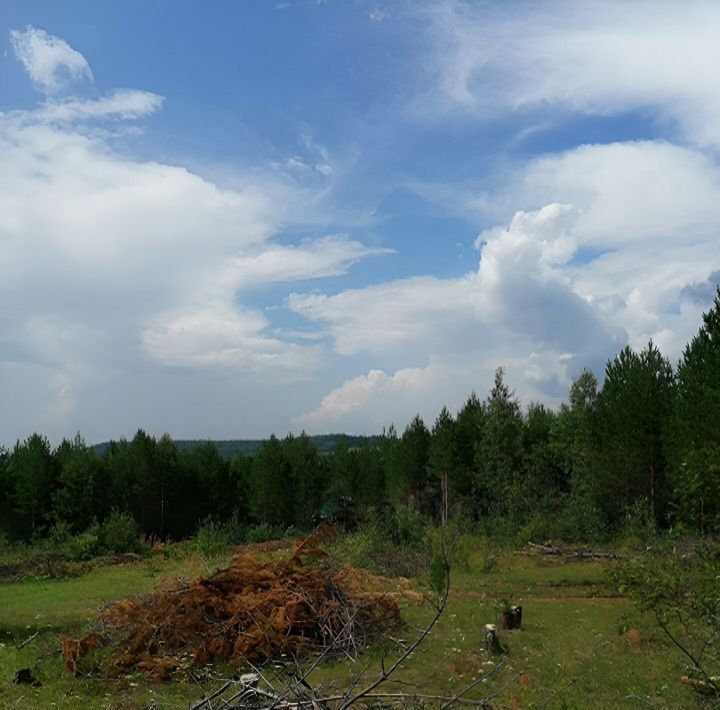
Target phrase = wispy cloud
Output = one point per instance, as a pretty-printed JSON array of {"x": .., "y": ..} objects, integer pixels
[
  {"x": 598, "y": 58},
  {"x": 50, "y": 61},
  {"x": 121, "y": 103}
]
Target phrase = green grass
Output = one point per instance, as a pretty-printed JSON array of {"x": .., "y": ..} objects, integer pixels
[{"x": 569, "y": 654}]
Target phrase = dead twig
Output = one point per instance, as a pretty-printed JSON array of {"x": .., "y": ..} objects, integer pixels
[
  {"x": 28, "y": 640},
  {"x": 385, "y": 674}
]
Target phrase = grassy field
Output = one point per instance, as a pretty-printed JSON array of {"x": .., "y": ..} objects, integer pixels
[{"x": 572, "y": 652}]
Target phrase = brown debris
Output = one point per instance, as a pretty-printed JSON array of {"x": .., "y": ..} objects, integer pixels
[
  {"x": 73, "y": 650},
  {"x": 253, "y": 611}
]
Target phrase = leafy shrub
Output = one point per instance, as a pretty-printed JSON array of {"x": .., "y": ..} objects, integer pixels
[
  {"x": 581, "y": 520},
  {"x": 86, "y": 545},
  {"x": 261, "y": 533},
  {"x": 406, "y": 526},
  {"x": 212, "y": 538},
  {"x": 680, "y": 590},
  {"x": 236, "y": 529},
  {"x": 119, "y": 533},
  {"x": 437, "y": 576},
  {"x": 538, "y": 529},
  {"x": 639, "y": 524},
  {"x": 375, "y": 547},
  {"x": 485, "y": 553},
  {"x": 60, "y": 534}
]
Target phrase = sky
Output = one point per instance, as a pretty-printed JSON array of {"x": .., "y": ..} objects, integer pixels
[{"x": 227, "y": 219}]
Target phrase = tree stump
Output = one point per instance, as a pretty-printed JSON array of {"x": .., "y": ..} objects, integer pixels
[
  {"x": 517, "y": 616},
  {"x": 492, "y": 643},
  {"x": 507, "y": 620}
]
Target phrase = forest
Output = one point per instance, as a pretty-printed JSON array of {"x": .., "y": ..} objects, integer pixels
[{"x": 646, "y": 443}]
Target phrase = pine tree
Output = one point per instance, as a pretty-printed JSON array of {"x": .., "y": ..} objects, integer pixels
[
  {"x": 632, "y": 415},
  {"x": 498, "y": 457},
  {"x": 442, "y": 462},
  {"x": 79, "y": 482},
  {"x": 694, "y": 443},
  {"x": 32, "y": 474},
  {"x": 469, "y": 425}
]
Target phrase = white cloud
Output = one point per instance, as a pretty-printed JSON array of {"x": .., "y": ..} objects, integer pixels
[
  {"x": 220, "y": 335},
  {"x": 122, "y": 270},
  {"x": 518, "y": 288},
  {"x": 121, "y": 103},
  {"x": 366, "y": 403},
  {"x": 599, "y": 58},
  {"x": 624, "y": 230},
  {"x": 313, "y": 258},
  {"x": 50, "y": 61},
  {"x": 370, "y": 402}
]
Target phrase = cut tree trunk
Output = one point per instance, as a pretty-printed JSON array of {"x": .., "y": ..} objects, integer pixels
[
  {"x": 492, "y": 643},
  {"x": 507, "y": 620}
]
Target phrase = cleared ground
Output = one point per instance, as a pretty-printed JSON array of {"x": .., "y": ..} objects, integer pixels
[{"x": 573, "y": 651}]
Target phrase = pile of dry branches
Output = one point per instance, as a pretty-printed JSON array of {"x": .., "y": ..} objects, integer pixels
[{"x": 252, "y": 611}]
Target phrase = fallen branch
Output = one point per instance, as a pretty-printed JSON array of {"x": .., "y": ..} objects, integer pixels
[
  {"x": 581, "y": 553},
  {"x": 27, "y": 641},
  {"x": 385, "y": 674}
]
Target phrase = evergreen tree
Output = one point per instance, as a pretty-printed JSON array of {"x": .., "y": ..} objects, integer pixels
[
  {"x": 308, "y": 480},
  {"x": 144, "y": 482},
  {"x": 468, "y": 436},
  {"x": 370, "y": 480},
  {"x": 414, "y": 448},
  {"x": 165, "y": 478},
  {"x": 80, "y": 479},
  {"x": 442, "y": 459},
  {"x": 32, "y": 475},
  {"x": 632, "y": 413},
  {"x": 341, "y": 476},
  {"x": 391, "y": 459},
  {"x": 543, "y": 479},
  {"x": 272, "y": 490},
  {"x": 694, "y": 444},
  {"x": 498, "y": 456}
]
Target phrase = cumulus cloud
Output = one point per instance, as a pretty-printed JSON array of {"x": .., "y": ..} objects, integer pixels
[
  {"x": 517, "y": 288},
  {"x": 370, "y": 402},
  {"x": 120, "y": 269},
  {"x": 599, "y": 58},
  {"x": 621, "y": 257},
  {"x": 50, "y": 61}
]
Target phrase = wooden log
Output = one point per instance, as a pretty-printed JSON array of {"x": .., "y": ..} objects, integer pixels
[{"x": 250, "y": 680}]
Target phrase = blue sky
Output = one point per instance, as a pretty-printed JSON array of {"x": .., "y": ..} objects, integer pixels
[{"x": 227, "y": 219}]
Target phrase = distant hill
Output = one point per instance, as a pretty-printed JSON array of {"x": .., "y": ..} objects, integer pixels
[{"x": 229, "y": 448}]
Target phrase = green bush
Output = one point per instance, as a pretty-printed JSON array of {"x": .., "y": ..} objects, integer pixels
[
  {"x": 639, "y": 525},
  {"x": 212, "y": 538},
  {"x": 581, "y": 520},
  {"x": 261, "y": 533},
  {"x": 119, "y": 533},
  {"x": 86, "y": 545},
  {"x": 61, "y": 534},
  {"x": 236, "y": 529},
  {"x": 680, "y": 589},
  {"x": 407, "y": 525}
]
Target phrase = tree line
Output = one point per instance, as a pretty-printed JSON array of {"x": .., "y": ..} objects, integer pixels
[{"x": 647, "y": 440}]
